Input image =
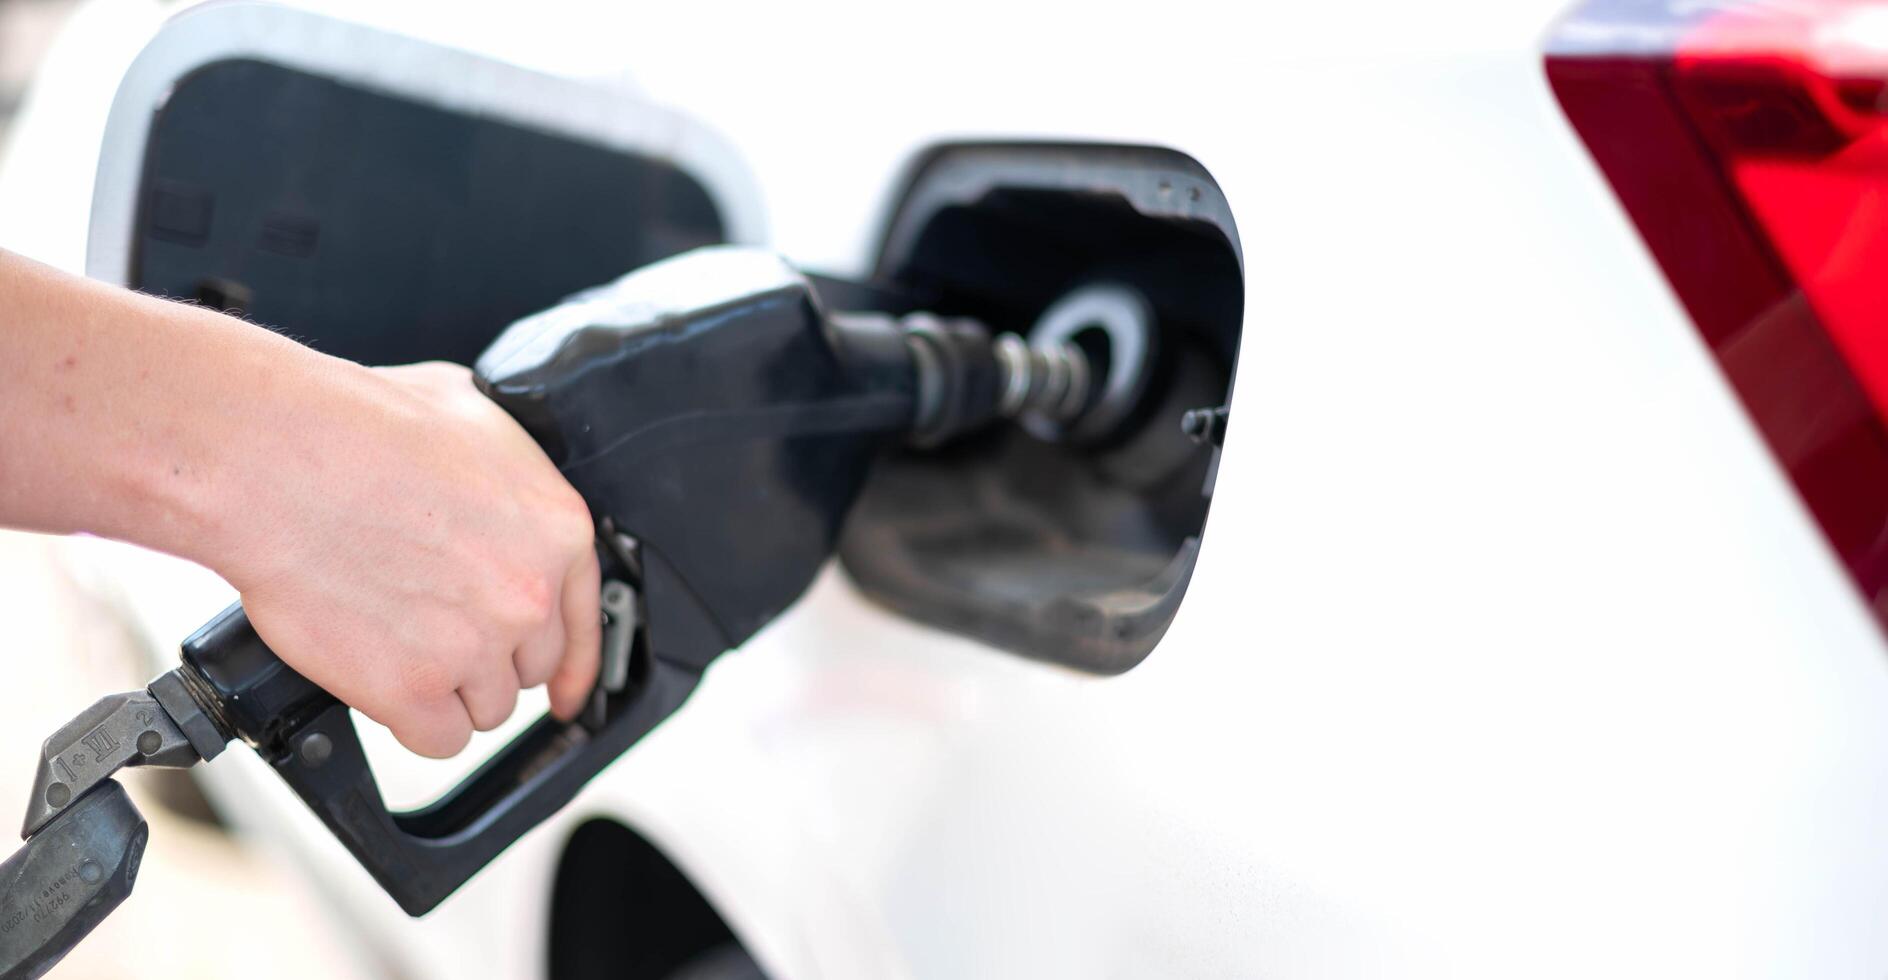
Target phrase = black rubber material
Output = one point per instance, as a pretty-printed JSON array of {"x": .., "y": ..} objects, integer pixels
[{"x": 67, "y": 878}]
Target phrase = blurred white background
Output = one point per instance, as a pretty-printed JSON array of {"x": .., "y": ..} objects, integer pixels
[{"x": 26, "y": 29}]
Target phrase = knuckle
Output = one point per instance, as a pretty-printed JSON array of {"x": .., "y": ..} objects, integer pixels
[
  {"x": 494, "y": 714},
  {"x": 529, "y": 602},
  {"x": 435, "y": 739},
  {"x": 457, "y": 643},
  {"x": 451, "y": 741},
  {"x": 422, "y": 680},
  {"x": 572, "y": 515},
  {"x": 535, "y": 670}
]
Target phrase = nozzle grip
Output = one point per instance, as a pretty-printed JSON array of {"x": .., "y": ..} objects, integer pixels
[
  {"x": 707, "y": 409},
  {"x": 419, "y": 856}
]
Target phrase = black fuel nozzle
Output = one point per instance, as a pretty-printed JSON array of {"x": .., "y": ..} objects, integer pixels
[
  {"x": 714, "y": 409},
  {"x": 719, "y": 422}
]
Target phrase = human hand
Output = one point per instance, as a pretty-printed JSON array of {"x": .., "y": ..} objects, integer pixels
[
  {"x": 419, "y": 557},
  {"x": 396, "y": 537}
]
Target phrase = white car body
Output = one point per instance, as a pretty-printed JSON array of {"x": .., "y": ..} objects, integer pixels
[{"x": 1510, "y": 650}]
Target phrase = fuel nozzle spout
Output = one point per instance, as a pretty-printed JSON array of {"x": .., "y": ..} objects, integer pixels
[
  {"x": 1078, "y": 374},
  {"x": 967, "y": 377}
]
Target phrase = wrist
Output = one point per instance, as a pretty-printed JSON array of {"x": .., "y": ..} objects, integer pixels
[{"x": 218, "y": 490}]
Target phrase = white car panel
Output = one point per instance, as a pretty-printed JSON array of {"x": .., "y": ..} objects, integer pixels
[{"x": 1509, "y": 651}]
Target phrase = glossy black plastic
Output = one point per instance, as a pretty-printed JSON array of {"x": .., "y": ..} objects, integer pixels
[
  {"x": 706, "y": 406},
  {"x": 419, "y": 856},
  {"x": 248, "y": 692}
]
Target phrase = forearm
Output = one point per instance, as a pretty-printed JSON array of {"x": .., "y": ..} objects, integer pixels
[
  {"x": 142, "y": 420},
  {"x": 396, "y": 537}
]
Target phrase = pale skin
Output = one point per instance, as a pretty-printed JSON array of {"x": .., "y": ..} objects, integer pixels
[{"x": 395, "y": 536}]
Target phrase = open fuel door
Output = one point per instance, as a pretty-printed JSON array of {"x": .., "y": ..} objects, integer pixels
[{"x": 385, "y": 199}]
